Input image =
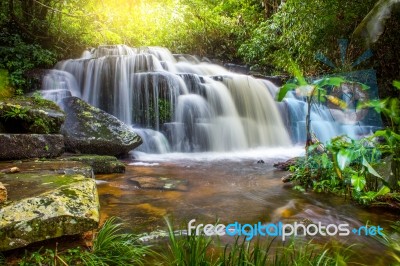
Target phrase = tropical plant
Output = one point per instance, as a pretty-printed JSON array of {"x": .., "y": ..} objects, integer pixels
[
  {"x": 314, "y": 92},
  {"x": 16, "y": 112}
]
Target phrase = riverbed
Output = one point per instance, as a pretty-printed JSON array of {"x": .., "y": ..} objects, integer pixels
[{"x": 228, "y": 187}]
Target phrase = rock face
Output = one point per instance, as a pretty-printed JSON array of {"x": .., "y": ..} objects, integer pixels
[
  {"x": 45, "y": 202},
  {"x": 23, "y": 146},
  {"x": 3, "y": 193},
  {"x": 284, "y": 166},
  {"x": 30, "y": 115},
  {"x": 92, "y": 131},
  {"x": 101, "y": 164}
]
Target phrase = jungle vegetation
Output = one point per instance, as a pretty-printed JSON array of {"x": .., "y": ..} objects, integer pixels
[{"x": 260, "y": 33}]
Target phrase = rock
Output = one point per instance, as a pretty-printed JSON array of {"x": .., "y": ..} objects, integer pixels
[
  {"x": 50, "y": 167},
  {"x": 287, "y": 178},
  {"x": 10, "y": 170},
  {"x": 159, "y": 183},
  {"x": 284, "y": 166},
  {"x": 45, "y": 206},
  {"x": 3, "y": 193},
  {"x": 260, "y": 161},
  {"x": 90, "y": 130},
  {"x": 22, "y": 115},
  {"x": 24, "y": 146},
  {"x": 315, "y": 141},
  {"x": 101, "y": 164},
  {"x": 242, "y": 69}
]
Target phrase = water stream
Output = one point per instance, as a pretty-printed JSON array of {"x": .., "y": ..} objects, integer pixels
[
  {"x": 204, "y": 129},
  {"x": 228, "y": 187}
]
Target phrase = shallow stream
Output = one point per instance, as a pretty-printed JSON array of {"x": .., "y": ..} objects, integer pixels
[{"x": 230, "y": 187}]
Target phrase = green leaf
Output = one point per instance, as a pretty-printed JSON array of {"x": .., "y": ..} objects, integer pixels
[
  {"x": 344, "y": 158},
  {"x": 383, "y": 191},
  {"x": 298, "y": 74},
  {"x": 331, "y": 81},
  {"x": 287, "y": 87},
  {"x": 371, "y": 170},
  {"x": 396, "y": 84},
  {"x": 358, "y": 182}
]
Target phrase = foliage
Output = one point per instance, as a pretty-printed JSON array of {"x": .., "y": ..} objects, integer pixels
[
  {"x": 393, "y": 243},
  {"x": 110, "y": 247},
  {"x": 18, "y": 56},
  {"x": 6, "y": 90},
  {"x": 204, "y": 250},
  {"x": 187, "y": 249},
  {"x": 16, "y": 112},
  {"x": 348, "y": 166},
  {"x": 52, "y": 257},
  {"x": 163, "y": 114},
  {"x": 300, "y": 29},
  {"x": 314, "y": 92}
]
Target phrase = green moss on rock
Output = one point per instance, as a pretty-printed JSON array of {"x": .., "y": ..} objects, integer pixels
[
  {"x": 30, "y": 115},
  {"x": 89, "y": 130},
  {"x": 101, "y": 164},
  {"x": 69, "y": 209}
]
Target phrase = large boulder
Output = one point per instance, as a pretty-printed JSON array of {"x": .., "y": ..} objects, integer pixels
[
  {"x": 90, "y": 130},
  {"x": 30, "y": 115},
  {"x": 24, "y": 146},
  {"x": 47, "y": 200}
]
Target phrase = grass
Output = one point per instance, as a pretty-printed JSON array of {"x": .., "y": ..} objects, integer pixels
[
  {"x": 185, "y": 250},
  {"x": 110, "y": 247},
  {"x": 113, "y": 247}
]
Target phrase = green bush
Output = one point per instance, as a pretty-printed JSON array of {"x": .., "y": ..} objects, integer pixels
[{"x": 17, "y": 57}]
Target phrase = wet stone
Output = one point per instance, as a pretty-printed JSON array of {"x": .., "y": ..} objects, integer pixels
[
  {"x": 46, "y": 203},
  {"x": 101, "y": 164},
  {"x": 159, "y": 183}
]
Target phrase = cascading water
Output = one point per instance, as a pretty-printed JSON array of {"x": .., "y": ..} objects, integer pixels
[{"x": 184, "y": 106}]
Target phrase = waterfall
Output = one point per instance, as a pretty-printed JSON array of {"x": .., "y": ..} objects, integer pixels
[{"x": 179, "y": 104}]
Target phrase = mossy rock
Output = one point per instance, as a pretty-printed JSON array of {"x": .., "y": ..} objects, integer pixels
[
  {"x": 48, "y": 167},
  {"x": 101, "y": 164},
  {"x": 45, "y": 206},
  {"x": 89, "y": 130},
  {"x": 25, "y": 146},
  {"x": 30, "y": 115}
]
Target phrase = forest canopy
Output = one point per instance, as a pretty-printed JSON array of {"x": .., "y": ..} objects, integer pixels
[{"x": 264, "y": 34}]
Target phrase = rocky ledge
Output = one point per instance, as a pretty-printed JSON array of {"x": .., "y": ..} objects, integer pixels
[
  {"x": 24, "y": 146},
  {"x": 46, "y": 200}
]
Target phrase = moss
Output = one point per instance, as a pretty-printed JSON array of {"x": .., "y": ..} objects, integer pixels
[
  {"x": 101, "y": 164},
  {"x": 66, "y": 210},
  {"x": 33, "y": 102},
  {"x": 31, "y": 115}
]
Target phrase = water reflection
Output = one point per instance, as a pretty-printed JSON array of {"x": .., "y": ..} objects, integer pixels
[{"x": 226, "y": 189}]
